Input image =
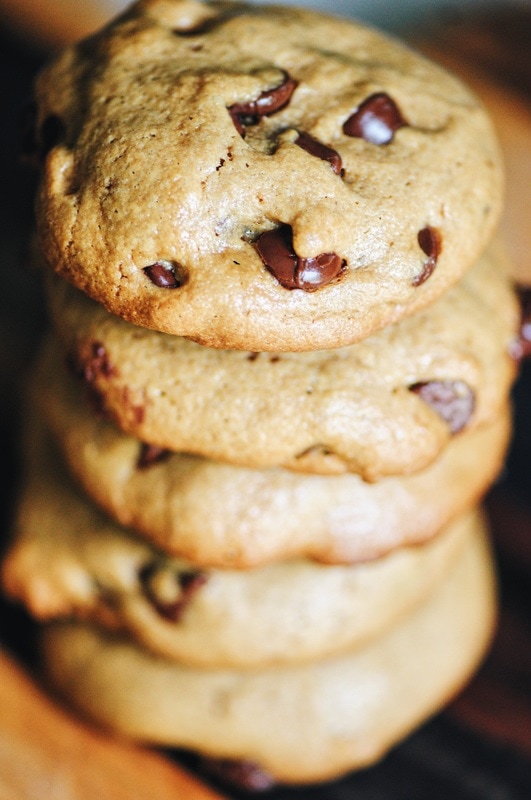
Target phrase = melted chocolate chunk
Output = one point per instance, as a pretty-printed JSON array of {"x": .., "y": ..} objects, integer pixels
[
  {"x": 430, "y": 242},
  {"x": 98, "y": 363},
  {"x": 376, "y": 120},
  {"x": 454, "y": 401},
  {"x": 292, "y": 272},
  {"x": 166, "y": 274},
  {"x": 238, "y": 773},
  {"x": 169, "y": 591},
  {"x": 268, "y": 102},
  {"x": 521, "y": 347},
  {"x": 151, "y": 454},
  {"x": 316, "y": 148},
  {"x": 87, "y": 370}
]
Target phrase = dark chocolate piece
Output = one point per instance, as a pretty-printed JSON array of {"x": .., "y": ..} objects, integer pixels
[
  {"x": 238, "y": 773},
  {"x": 430, "y": 242},
  {"x": 454, "y": 401},
  {"x": 268, "y": 102},
  {"x": 376, "y": 120},
  {"x": 521, "y": 347},
  {"x": 166, "y": 274},
  {"x": 99, "y": 363},
  {"x": 169, "y": 591},
  {"x": 275, "y": 248},
  {"x": 320, "y": 150}
]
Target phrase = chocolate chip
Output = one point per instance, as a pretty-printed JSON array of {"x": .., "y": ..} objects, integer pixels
[
  {"x": 170, "y": 591},
  {"x": 268, "y": 102},
  {"x": 521, "y": 347},
  {"x": 88, "y": 368},
  {"x": 238, "y": 773},
  {"x": 376, "y": 120},
  {"x": 275, "y": 248},
  {"x": 166, "y": 274},
  {"x": 151, "y": 454},
  {"x": 454, "y": 401},
  {"x": 273, "y": 100},
  {"x": 316, "y": 148},
  {"x": 430, "y": 242}
]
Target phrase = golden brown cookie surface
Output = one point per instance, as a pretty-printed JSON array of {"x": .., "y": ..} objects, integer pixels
[
  {"x": 260, "y": 178},
  {"x": 300, "y": 723},
  {"x": 219, "y": 515},
  {"x": 387, "y": 405},
  {"x": 67, "y": 560}
]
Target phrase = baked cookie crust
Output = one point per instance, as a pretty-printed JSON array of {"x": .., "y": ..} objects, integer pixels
[{"x": 259, "y": 178}]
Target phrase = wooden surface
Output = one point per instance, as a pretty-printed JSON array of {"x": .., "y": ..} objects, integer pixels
[
  {"x": 46, "y": 753},
  {"x": 480, "y": 746}
]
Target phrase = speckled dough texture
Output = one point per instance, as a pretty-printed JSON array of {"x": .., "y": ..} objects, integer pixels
[
  {"x": 350, "y": 409},
  {"x": 219, "y": 515},
  {"x": 65, "y": 559},
  {"x": 174, "y": 139},
  {"x": 300, "y": 723}
]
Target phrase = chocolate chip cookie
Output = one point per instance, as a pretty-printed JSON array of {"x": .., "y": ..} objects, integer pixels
[
  {"x": 259, "y": 178},
  {"x": 216, "y": 514},
  {"x": 387, "y": 405},
  {"x": 299, "y": 723},
  {"x": 66, "y": 559}
]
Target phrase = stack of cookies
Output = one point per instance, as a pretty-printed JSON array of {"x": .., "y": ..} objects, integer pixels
[{"x": 274, "y": 390}]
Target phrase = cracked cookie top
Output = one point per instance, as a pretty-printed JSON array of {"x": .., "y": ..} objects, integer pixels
[{"x": 260, "y": 178}]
